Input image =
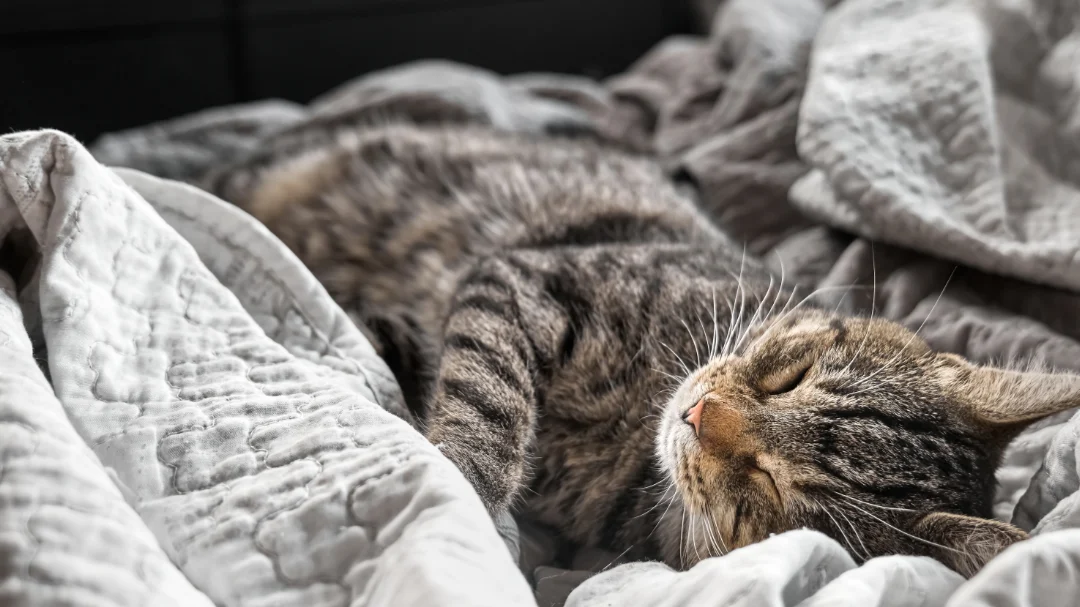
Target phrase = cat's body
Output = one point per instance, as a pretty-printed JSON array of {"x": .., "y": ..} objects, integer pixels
[
  {"x": 623, "y": 259},
  {"x": 538, "y": 302}
]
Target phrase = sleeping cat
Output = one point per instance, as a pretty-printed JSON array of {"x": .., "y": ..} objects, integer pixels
[{"x": 592, "y": 352}]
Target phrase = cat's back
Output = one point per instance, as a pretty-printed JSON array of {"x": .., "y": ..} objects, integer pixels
[
  {"x": 386, "y": 198},
  {"x": 390, "y": 219}
]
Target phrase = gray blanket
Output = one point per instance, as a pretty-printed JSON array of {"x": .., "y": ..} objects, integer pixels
[{"x": 917, "y": 159}]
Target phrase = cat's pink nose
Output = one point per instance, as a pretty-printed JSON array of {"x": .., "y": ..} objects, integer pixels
[{"x": 693, "y": 416}]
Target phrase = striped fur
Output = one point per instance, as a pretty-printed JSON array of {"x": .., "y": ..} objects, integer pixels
[{"x": 553, "y": 312}]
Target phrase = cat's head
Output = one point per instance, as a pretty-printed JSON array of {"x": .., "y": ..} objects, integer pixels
[{"x": 854, "y": 427}]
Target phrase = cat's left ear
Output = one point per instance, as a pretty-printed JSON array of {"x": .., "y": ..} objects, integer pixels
[
  {"x": 965, "y": 543},
  {"x": 998, "y": 397}
]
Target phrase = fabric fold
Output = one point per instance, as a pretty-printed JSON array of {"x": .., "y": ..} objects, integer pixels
[{"x": 265, "y": 470}]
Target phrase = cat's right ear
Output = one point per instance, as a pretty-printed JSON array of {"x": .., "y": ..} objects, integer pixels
[{"x": 1007, "y": 399}]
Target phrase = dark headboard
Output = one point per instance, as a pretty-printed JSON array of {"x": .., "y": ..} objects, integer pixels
[{"x": 87, "y": 67}]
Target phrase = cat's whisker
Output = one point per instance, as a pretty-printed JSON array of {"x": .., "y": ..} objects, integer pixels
[
  {"x": 873, "y": 307},
  {"x": 855, "y": 531},
  {"x": 842, "y": 298},
  {"x": 663, "y": 396},
  {"x": 743, "y": 331},
  {"x": 787, "y": 303},
  {"x": 754, "y": 320},
  {"x": 873, "y": 293},
  {"x": 682, "y": 363},
  {"x": 705, "y": 338},
  {"x": 732, "y": 305},
  {"x": 669, "y": 375},
  {"x": 715, "y": 327},
  {"x": 839, "y": 528},
  {"x": 693, "y": 340},
  {"x": 663, "y": 478},
  {"x": 682, "y": 538},
  {"x": 737, "y": 330},
  {"x": 872, "y": 505},
  {"x": 667, "y": 393},
  {"x": 936, "y": 302},
  {"x": 785, "y": 312},
  {"x": 711, "y": 547},
  {"x": 659, "y": 501},
  {"x": 723, "y": 346},
  {"x": 887, "y": 366},
  {"x": 740, "y": 301},
  {"x": 913, "y": 335},
  {"x": 905, "y": 533},
  {"x": 662, "y": 517},
  {"x": 779, "y": 290},
  {"x": 729, "y": 300},
  {"x": 775, "y": 295},
  {"x": 622, "y": 554},
  {"x": 694, "y": 536},
  {"x": 815, "y": 293},
  {"x": 718, "y": 538},
  {"x": 669, "y": 390},
  {"x": 866, "y": 333}
]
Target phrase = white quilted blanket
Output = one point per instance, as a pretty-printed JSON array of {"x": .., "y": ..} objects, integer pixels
[{"x": 216, "y": 431}]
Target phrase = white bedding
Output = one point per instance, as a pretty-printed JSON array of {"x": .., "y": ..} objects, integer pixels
[{"x": 201, "y": 445}]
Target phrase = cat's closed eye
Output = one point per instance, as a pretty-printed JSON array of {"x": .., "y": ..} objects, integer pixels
[
  {"x": 762, "y": 474},
  {"x": 787, "y": 379}
]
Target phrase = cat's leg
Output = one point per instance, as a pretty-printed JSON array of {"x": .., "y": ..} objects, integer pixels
[{"x": 498, "y": 346}]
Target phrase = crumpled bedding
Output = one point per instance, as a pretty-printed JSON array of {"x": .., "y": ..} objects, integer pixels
[
  {"x": 216, "y": 432},
  {"x": 914, "y": 158}
]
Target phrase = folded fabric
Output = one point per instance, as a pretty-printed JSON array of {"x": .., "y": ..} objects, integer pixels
[{"x": 255, "y": 457}]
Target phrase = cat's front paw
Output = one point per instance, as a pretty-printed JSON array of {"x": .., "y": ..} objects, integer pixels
[{"x": 492, "y": 480}]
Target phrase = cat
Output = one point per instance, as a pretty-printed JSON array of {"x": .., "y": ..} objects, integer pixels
[{"x": 592, "y": 352}]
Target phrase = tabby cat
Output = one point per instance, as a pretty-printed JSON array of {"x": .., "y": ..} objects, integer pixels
[{"x": 592, "y": 352}]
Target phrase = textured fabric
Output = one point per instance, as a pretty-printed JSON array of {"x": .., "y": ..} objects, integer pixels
[
  {"x": 67, "y": 537},
  {"x": 796, "y": 568},
  {"x": 187, "y": 148},
  {"x": 259, "y": 449},
  {"x": 779, "y": 571},
  {"x": 190, "y": 147},
  {"x": 921, "y": 150},
  {"x": 912, "y": 144},
  {"x": 720, "y": 112},
  {"x": 1041, "y": 572}
]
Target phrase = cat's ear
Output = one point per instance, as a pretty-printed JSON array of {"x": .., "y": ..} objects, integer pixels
[
  {"x": 1007, "y": 398},
  {"x": 965, "y": 543}
]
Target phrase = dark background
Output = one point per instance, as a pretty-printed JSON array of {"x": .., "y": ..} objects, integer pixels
[{"x": 91, "y": 66}]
